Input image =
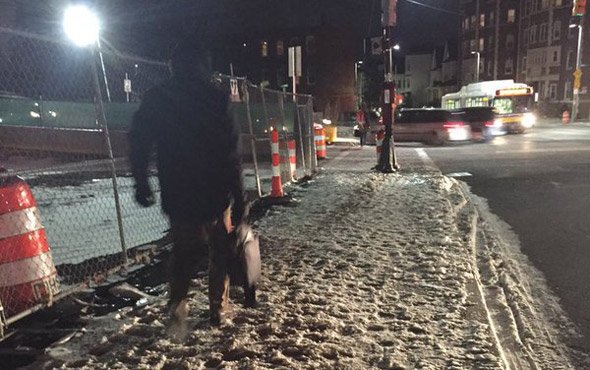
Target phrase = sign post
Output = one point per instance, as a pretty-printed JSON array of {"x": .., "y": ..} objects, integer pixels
[{"x": 387, "y": 159}]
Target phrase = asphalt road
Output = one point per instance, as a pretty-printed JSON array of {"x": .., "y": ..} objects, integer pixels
[{"x": 539, "y": 183}]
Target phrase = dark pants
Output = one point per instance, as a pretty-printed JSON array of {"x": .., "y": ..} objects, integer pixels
[
  {"x": 363, "y": 137},
  {"x": 193, "y": 242}
]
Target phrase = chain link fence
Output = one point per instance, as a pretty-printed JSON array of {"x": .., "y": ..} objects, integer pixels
[{"x": 67, "y": 210}]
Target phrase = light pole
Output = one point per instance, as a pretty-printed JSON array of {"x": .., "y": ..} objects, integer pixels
[
  {"x": 83, "y": 28},
  {"x": 577, "y": 73},
  {"x": 358, "y": 83},
  {"x": 476, "y": 53}
]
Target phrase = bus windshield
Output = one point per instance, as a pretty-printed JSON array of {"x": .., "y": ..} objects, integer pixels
[{"x": 512, "y": 104}]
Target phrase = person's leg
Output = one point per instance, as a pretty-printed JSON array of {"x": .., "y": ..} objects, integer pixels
[
  {"x": 218, "y": 268},
  {"x": 189, "y": 246}
]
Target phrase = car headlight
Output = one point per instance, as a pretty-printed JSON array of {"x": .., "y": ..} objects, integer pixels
[{"x": 528, "y": 120}]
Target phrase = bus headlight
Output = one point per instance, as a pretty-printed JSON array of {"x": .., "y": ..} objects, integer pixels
[{"x": 528, "y": 120}]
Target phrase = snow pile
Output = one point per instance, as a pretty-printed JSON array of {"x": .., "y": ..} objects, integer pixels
[{"x": 364, "y": 271}]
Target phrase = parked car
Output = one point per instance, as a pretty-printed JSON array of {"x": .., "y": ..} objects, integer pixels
[
  {"x": 431, "y": 126},
  {"x": 483, "y": 123}
]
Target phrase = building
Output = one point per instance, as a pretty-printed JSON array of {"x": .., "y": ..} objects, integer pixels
[
  {"x": 547, "y": 54},
  {"x": 327, "y": 63},
  {"x": 443, "y": 74},
  {"x": 530, "y": 41},
  {"x": 490, "y": 28}
]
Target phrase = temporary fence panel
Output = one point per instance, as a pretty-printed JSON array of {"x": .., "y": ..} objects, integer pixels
[{"x": 73, "y": 160}]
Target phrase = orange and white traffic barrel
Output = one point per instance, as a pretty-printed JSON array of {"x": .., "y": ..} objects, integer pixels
[
  {"x": 320, "y": 141},
  {"x": 379, "y": 141},
  {"x": 27, "y": 272},
  {"x": 277, "y": 185},
  {"x": 565, "y": 117}
]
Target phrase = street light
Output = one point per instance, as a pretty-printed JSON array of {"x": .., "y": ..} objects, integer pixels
[
  {"x": 477, "y": 65},
  {"x": 396, "y": 47},
  {"x": 81, "y": 25},
  {"x": 577, "y": 73},
  {"x": 82, "y": 28}
]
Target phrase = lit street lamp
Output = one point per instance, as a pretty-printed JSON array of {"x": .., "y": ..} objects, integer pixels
[
  {"x": 577, "y": 73},
  {"x": 477, "y": 65},
  {"x": 83, "y": 28}
]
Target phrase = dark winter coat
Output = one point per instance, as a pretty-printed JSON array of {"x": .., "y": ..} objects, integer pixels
[{"x": 196, "y": 148}]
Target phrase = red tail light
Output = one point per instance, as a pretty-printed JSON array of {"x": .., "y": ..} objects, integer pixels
[
  {"x": 489, "y": 123},
  {"x": 450, "y": 125}
]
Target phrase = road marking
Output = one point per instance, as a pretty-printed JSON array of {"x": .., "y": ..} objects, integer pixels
[
  {"x": 554, "y": 150},
  {"x": 459, "y": 174},
  {"x": 425, "y": 157}
]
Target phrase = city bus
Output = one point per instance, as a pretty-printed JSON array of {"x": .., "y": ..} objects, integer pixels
[{"x": 511, "y": 101}]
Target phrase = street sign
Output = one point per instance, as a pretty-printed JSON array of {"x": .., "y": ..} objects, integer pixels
[
  {"x": 233, "y": 87},
  {"x": 127, "y": 85},
  {"x": 295, "y": 61}
]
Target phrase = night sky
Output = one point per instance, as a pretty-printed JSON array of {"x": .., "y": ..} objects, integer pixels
[{"x": 149, "y": 27}]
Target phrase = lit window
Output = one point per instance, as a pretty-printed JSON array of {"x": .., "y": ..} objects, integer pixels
[
  {"x": 511, "y": 15},
  {"x": 558, "y": 3},
  {"x": 481, "y": 44},
  {"x": 482, "y": 20},
  {"x": 264, "y": 48}
]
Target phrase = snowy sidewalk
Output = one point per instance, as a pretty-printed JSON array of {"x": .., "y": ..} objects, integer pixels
[{"x": 365, "y": 271}]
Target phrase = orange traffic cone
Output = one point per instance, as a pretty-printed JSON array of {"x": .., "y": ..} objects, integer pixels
[{"x": 565, "y": 117}]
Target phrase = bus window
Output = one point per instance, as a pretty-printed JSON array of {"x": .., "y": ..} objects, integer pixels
[
  {"x": 452, "y": 104},
  {"x": 503, "y": 105}
]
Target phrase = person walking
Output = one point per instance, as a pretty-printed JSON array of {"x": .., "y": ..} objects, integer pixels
[
  {"x": 199, "y": 172},
  {"x": 362, "y": 123}
]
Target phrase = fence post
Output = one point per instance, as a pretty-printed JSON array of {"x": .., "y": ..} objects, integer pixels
[
  {"x": 300, "y": 137},
  {"x": 101, "y": 118},
  {"x": 311, "y": 135},
  {"x": 252, "y": 137}
]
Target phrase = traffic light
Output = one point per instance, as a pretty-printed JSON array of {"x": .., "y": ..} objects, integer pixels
[
  {"x": 579, "y": 8},
  {"x": 389, "y": 16}
]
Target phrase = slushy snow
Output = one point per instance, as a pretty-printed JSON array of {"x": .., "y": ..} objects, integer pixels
[{"x": 361, "y": 271}]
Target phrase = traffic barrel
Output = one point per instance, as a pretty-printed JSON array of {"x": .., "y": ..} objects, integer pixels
[
  {"x": 277, "y": 185},
  {"x": 565, "y": 117},
  {"x": 320, "y": 141},
  {"x": 379, "y": 141},
  {"x": 27, "y": 272}
]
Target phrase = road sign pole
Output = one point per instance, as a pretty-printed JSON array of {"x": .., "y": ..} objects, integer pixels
[
  {"x": 387, "y": 159},
  {"x": 577, "y": 75}
]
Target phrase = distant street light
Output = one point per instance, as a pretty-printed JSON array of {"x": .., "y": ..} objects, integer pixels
[
  {"x": 81, "y": 25},
  {"x": 396, "y": 47},
  {"x": 477, "y": 65}
]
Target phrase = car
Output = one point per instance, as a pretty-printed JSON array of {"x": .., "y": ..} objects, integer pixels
[
  {"x": 430, "y": 126},
  {"x": 483, "y": 123}
]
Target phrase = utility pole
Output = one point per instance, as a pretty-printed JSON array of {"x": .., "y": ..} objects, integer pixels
[
  {"x": 387, "y": 160},
  {"x": 578, "y": 12}
]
